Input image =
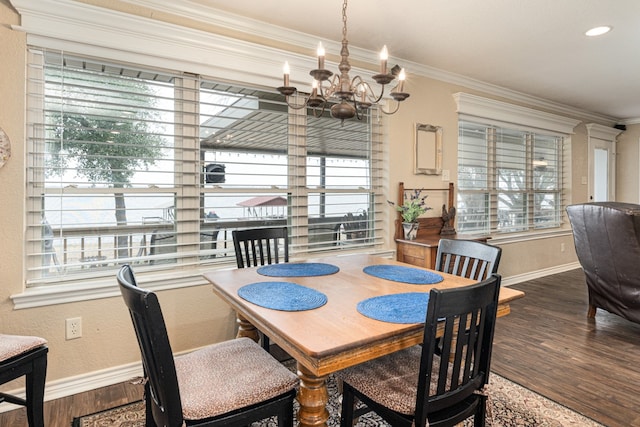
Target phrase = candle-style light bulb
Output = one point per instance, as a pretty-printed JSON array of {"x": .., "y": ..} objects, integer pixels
[
  {"x": 401, "y": 77},
  {"x": 286, "y": 73},
  {"x": 384, "y": 56},
  {"x": 320, "y": 56},
  {"x": 314, "y": 88},
  {"x": 362, "y": 92}
]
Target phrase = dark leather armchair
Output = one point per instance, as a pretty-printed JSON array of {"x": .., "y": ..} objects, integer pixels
[{"x": 607, "y": 240}]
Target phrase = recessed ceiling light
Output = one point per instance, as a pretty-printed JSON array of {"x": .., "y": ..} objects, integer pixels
[{"x": 598, "y": 31}]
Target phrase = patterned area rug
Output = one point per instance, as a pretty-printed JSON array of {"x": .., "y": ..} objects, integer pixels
[{"x": 511, "y": 405}]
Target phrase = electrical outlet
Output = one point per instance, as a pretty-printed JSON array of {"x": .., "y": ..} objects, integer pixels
[
  {"x": 74, "y": 328},
  {"x": 445, "y": 175},
  {"x": 561, "y": 247}
]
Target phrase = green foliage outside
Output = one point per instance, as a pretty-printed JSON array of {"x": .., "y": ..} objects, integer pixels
[{"x": 102, "y": 140}]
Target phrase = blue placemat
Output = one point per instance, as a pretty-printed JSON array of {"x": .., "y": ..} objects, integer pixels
[
  {"x": 298, "y": 269},
  {"x": 399, "y": 273},
  {"x": 410, "y": 307},
  {"x": 285, "y": 296}
]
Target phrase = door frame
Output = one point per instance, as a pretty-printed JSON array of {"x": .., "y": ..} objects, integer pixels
[{"x": 600, "y": 137}]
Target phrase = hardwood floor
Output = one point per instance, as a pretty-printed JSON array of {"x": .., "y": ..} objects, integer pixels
[
  {"x": 546, "y": 344},
  {"x": 60, "y": 412}
]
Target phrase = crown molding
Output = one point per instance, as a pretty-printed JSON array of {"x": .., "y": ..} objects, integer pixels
[
  {"x": 477, "y": 106},
  {"x": 198, "y": 12},
  {"x": 110, "y": 33},
  {"x": 606, "y": 133}
]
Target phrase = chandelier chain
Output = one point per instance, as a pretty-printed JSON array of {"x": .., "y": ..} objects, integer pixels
[{"x": 344, "y": 20}]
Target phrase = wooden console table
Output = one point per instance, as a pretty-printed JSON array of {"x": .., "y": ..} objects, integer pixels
[{"x": 423, "y": 250}]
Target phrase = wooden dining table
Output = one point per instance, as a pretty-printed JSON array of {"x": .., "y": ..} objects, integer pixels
[{"x": 335, "y": 335}]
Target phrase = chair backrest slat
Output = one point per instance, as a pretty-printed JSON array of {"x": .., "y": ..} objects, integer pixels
[
  {"x": 467, "y": 258},
  {"x": 261, "y": 246}
]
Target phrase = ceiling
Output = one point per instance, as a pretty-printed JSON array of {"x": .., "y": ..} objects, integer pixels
[{"x": 534, "y": 47}]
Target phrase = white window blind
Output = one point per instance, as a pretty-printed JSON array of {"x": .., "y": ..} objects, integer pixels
[
  {"x": 287, "y": 167},
  {"x": 509, "y": 180},
  {"x": 156, "y": 168}
]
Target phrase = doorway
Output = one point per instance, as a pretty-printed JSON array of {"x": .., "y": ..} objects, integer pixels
[{"x": 602, "y": 162}]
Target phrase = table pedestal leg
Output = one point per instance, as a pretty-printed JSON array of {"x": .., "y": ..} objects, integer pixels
[
  {"x": 246, "y": 329},
  {"x": 313, "y": 397}
]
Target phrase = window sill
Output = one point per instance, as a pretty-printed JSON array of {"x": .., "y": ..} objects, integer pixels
[
  {"x": 499, "y": 239},
  {"x": 39, "y": 296},
  {"x": 103, "y": 288}
]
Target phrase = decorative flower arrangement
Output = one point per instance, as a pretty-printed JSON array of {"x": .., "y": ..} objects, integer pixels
[{"x": 413, "y": 206}]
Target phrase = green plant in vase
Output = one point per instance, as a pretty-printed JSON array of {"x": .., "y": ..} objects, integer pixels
[{"x": 413, "y": 205}]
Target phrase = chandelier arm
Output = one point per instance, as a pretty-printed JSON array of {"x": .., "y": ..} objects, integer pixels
[
  {"x": 328, "y": 91},
  {"x": 379, "y": 98},
  {"x": 355, "y": 105},
  {"x": 390, "y": 112},
  {"x": 314, "y": 109},
  {"x": 295, "y": 106},
  {"x": 368, "y": 90}
]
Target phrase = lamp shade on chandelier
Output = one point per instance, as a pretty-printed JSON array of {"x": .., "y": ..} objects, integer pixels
[{"x": 348, "y": 96}]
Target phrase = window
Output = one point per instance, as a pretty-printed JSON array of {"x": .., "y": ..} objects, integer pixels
[
  {"x": 508, "y": 180},
  {"x": 156, "y": 168},
  {"x": 511, "y": 177}
]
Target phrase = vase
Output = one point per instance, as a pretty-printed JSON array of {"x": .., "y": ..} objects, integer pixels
[{"x": 410, "y": 230}]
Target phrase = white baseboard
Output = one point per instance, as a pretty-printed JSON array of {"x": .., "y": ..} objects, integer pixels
[
  {"x": 519, "y": 278},
  {"x": 78, "y": 384},
  {"x": 92, "y": 380}
]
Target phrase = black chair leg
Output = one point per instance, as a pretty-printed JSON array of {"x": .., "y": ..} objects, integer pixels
[
  {"x": 149, "y": 421},
  {"x": 34, "y": 384},
  {"x": 346, "y": 416},
  {"x": 479, "y": 419},
  {"x": 265, "y": 342},
  {"x": 285, "y": 417}
]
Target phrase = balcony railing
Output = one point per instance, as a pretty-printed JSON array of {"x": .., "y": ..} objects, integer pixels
[{"x": 77, "y": 248}]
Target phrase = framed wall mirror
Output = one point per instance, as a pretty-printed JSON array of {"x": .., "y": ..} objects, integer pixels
[{"x": 427, "y": 149}]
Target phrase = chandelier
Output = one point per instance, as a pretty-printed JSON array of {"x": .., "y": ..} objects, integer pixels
[{"x": 350, "y": 96}]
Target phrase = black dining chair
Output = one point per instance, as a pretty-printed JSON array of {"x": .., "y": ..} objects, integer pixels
[
  {"x": 467, "y": 258},
  {"x": 25, "y": 356},
  {"x": 232, "y": 383},
  {"x": 416, "y": 386},
  {"x": 261, "y": 246}
]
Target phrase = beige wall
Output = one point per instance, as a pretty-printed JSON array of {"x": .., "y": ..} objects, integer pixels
[
  {"x": 194, "y": 315},
  {"x": 108, "y": 339},
  {"x": 627, "y": 161},
  {"x": 432, "y": 102}
]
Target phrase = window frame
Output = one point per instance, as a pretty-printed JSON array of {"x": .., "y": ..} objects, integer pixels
[
  {"x": 494, "y": 114},
  {"x": 74, "y": 288}
]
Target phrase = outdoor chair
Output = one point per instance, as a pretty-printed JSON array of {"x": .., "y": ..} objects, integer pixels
[
  {"x": 261, "y": 246},
  {"x": 467, "y": 258},
  {"x": 232, "y": 383},
  {"x": 25, "y": 356},
  {"x": 415, "y": 386}
]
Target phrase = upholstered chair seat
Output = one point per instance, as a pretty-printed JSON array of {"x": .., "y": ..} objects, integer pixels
[
  {"x": 392, "y": 380},
  {"x": 13, "y": 345},
  {"x": 25, "y": 356},
  {"x": 229, "y": 375}
]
